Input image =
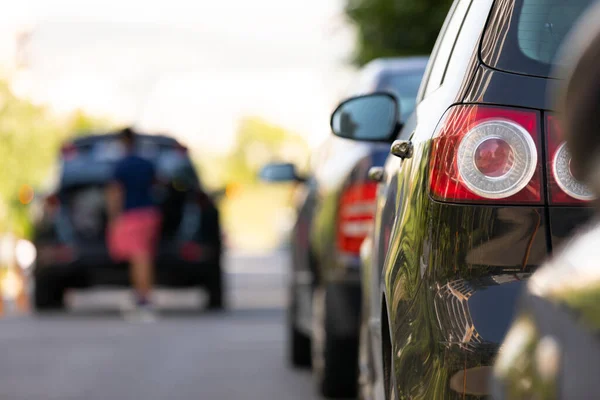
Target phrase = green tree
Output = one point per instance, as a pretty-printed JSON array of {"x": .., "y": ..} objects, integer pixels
[
  {"x": 254, "y": 214},
  {"x": 391, "y": 28},
  {"x": 30, "y": 137},
  {"x": 258, "y": 143}
]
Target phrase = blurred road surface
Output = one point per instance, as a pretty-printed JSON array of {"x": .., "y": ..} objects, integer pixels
[{"x": 92, "y": 353}]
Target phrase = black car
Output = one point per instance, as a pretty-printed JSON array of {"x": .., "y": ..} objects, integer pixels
[
  {"x": 335, "y": 212},
  {"x": 552, "y": 350},
  {"x": 70, "y": 231},
  {"x": 477, "y": 194}
]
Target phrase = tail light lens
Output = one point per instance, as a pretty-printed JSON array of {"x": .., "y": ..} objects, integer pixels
[
  {"x": 564, "y": 188},
  {"x": 486, "y": 154},
  {"x": 355, "y": 216},
  {"x": 52, "y": 203},
  {"x": 69, "y": 151},
  {"x": 182, "y": 149},
  {"x": 191, "y": 252},
  {"x": 55, "y": 254},
  {"x": 64, "y": 254}
]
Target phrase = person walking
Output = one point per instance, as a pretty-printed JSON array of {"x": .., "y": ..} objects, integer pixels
[{"x": 134, "y": 221}]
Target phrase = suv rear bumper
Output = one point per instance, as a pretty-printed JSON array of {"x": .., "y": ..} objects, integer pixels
[{"x": 93, "y": 266}]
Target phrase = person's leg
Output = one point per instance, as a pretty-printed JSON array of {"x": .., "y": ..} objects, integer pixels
[
  {"x": 142, "y": 256},
  {"x": 142, "y": 276}
]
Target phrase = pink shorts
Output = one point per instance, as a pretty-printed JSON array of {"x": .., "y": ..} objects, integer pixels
[{"x": 134, "y": 233}]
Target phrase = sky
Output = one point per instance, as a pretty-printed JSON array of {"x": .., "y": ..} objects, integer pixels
[{"x": 191, "y": 68}]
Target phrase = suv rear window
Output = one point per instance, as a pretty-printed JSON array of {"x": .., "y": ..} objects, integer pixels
[
  {"x": 523, "y": 36},
  {"x": 95, "y": 164}
]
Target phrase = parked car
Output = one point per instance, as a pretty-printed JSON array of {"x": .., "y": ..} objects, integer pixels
[
  {"x": 70, "y": 230},
  {"x": 476, "y": 195},
  {"x": 334, "y": 212},
  {"x": 552, "y": 349}
]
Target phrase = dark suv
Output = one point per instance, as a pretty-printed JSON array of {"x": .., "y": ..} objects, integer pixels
[
  {"x": 478, "y": 193},
  {"x": 70, "y": 230}
]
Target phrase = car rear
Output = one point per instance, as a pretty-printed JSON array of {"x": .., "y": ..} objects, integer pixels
[
  {"x": 502, "y": 195},
  {"x": 344, "y": 217},
  {"x": 71, "y": 236}
]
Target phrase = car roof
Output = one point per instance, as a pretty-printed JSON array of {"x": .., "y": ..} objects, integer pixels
[
  {"x": 395, "y": 64},
  {"x": 94, "y": 138}
]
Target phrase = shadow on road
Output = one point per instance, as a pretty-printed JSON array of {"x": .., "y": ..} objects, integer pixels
[{"x": 238, "y": 314}]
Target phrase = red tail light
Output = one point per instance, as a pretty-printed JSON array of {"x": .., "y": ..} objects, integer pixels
[
  {"x": 355, "y": 216},
  {"x": 191, "y": 251},
  {"x": 203, "y": 200},
  {"x": 69, "y": 151},
  {"x": 564, "y": 188},
  {"x": 182, "y": 149},
  {"x": 52, "y": 203},
  {"x": 52, "y": 254},
  {"x": 484, "y": 154},
  {"x": 64, "y": 254}
]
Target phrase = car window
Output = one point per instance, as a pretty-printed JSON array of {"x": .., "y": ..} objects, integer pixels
[
  {"x": 525, "y": 35},
  {"x": 445, "y": 44},
  {"x": 97, "y": 166}
]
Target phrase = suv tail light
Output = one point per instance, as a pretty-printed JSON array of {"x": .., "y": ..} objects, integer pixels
[
  {"x": 181, "y": 149},
  {"x": 355, "y": 216},
  {"x": 55, "y": 254},
  {"x": 52, "y": 203},
  {"x": 564, "y": 188},
  {"x": 485, "y": 154},
  {"x": 191, "y": 252},
  {"x": 69, "y": 151}
]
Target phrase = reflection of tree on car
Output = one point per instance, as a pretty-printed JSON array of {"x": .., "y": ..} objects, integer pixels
[{"x": 347, "y": 124}]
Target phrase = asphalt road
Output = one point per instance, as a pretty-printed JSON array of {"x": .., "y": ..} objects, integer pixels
[{"x": 91, "y": 352}]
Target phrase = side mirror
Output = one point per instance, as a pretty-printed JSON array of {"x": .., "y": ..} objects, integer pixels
[
  {"x": 280, "y": 172},
  {"x": 372, "y": 118}
]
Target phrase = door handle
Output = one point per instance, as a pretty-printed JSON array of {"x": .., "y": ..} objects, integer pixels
[
  {"x": 376, "y": 174},
  {"x": 402, "y": 149}
]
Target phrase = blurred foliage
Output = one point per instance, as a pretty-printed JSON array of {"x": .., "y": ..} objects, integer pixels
[
  {"x": 255, "y": 215},
  {"x": 391, "y": 28},
  {"x": 30, "y": 137},
  {"x": 258, "y": 143},
  {"x": 257, "y": 218}
]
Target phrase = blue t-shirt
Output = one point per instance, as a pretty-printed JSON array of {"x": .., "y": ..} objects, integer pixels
[{"x": 136, "y": 175}]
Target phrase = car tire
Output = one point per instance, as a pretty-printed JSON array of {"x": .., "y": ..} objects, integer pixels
[
  {"x": 216, "y": 290},
  {"x": 48, "y": 293},
  {"x": 365, "y": 374},
  {"x": 335, "y": 359},
  {"x": 298, "y": 344},
  {"x": 339, "y": 379}
]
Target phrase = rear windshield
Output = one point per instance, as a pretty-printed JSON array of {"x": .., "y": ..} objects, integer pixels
[
  {"x": 95, "y": 164},
  {"x": 405, "y": 86},
  {"x": 523, "y": 36}
]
